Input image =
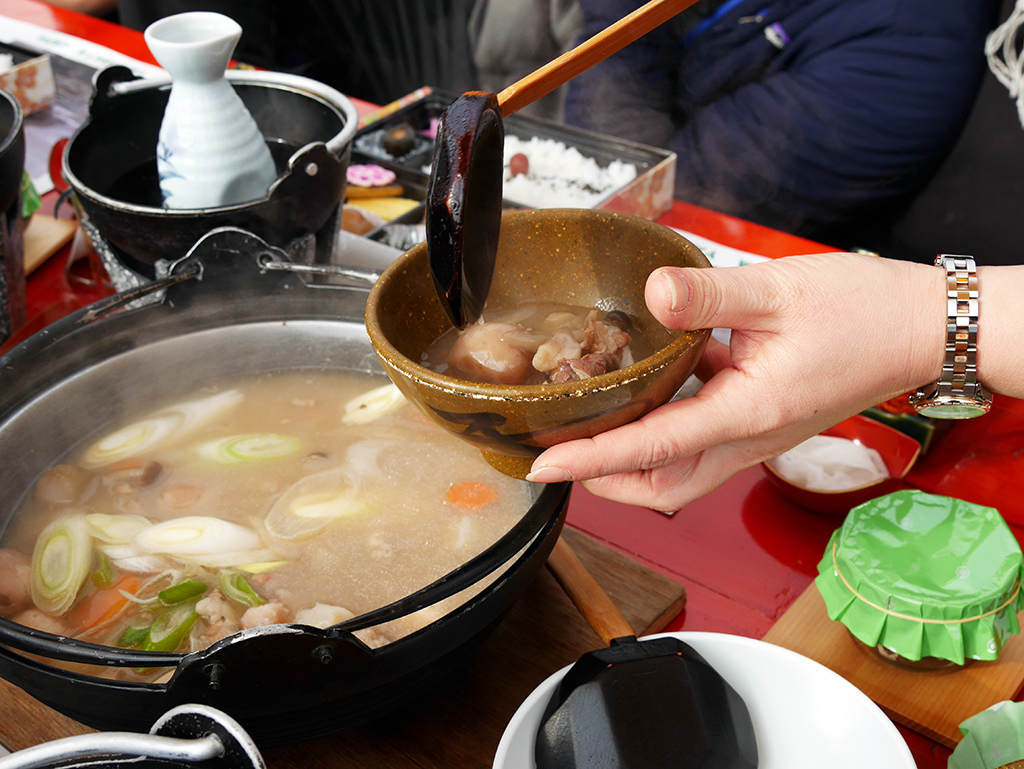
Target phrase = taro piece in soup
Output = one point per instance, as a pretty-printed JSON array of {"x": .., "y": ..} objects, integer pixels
[
  {"x": 299, "y": 497},
  {"x": 539, "y": 343}
]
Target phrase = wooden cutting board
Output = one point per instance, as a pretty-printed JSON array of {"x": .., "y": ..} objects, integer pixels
[
  {"x": 933, "y": 703},
  {"x": 461, "y": 723}
]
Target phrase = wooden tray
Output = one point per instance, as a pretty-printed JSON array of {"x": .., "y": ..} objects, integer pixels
[
  {"x": 459, "y": 725},
  {"x": 933, "y": 703}
]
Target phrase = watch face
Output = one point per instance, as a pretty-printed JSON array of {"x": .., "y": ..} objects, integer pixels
[{"x": 952, "y": 410}]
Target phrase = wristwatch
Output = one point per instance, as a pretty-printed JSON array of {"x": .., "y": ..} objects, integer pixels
[{"x": 958, "y": 394}]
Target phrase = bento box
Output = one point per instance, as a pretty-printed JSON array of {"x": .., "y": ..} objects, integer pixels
[{"x": 593, "y": 170}]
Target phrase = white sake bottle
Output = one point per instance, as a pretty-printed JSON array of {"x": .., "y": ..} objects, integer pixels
[{"x": 210, "y": 151}]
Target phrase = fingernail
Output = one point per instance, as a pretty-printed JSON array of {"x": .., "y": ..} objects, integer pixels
[
  {"x": 678, "y": 291},
  {"x": 549, "y": 475}
]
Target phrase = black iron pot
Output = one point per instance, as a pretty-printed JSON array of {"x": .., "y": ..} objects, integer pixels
[
  {"x": 12, "y": 150},
  {"x": 225, "y": 314},
  {"x": 110, "y": 163},
  {"x": 12, "y": 262}
]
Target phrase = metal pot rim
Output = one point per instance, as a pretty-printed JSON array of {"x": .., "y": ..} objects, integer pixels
[{"x": 17, "y": 125}]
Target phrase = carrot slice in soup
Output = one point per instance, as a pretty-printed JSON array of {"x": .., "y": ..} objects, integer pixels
[
  {"x": 471, "y": 495},
  {"x": 103, "y": 604}
]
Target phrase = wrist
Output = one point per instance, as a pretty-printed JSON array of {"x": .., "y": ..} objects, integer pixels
[{"x": 930, "y": 328}]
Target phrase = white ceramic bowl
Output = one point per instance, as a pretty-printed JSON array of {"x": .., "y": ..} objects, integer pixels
[{"x": 805, "y": 716}]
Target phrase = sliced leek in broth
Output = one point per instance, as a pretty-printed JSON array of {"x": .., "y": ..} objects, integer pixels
[{"x": 301, "y": 497}]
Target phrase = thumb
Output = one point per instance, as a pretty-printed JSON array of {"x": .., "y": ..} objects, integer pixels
[{"x": 721, "y": 297}]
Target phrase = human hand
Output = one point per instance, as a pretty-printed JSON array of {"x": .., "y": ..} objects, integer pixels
[{"x": 815, "y": 339}]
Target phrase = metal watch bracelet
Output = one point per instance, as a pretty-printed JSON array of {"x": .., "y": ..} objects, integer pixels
[{"x": 957, "y": 394}]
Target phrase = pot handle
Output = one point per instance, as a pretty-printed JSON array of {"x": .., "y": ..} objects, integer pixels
[
  {"x": 187, "y": 734},
  {"x": 315, "y": 87},
  {"x": 115, "y": 744}
]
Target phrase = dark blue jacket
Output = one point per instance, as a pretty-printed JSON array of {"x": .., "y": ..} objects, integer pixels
[{"x": 819, "y": 117}]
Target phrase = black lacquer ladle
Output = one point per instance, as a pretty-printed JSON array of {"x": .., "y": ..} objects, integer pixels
[
  {"x": 464, "y": 197},
  {"x": 638, "y": 704}
]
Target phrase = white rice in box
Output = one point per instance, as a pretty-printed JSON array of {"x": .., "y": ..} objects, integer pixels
[{"x": 560, "y": 176}]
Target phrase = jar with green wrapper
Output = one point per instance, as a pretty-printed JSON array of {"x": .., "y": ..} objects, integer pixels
[{"x": 924, "y": 578}]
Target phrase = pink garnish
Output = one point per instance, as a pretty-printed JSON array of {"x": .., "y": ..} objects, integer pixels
[{"x": 370, "y": 175}]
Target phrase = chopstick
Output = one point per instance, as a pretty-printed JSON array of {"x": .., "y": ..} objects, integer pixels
[
  {"x": 588, "y": 53},
  {"x": 589, "y": 597}
]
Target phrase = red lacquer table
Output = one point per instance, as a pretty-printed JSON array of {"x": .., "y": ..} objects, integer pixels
[{"x": 743, "y": 553}]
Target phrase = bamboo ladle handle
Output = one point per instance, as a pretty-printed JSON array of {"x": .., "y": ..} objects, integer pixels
[
  {"x": 588, "y": 53},
  {"x": 589, "y": 597}
]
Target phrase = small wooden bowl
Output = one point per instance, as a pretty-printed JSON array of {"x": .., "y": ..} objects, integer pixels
[
  {"x": 579, "y": 257},
  {"x": 899, "y": 452}
]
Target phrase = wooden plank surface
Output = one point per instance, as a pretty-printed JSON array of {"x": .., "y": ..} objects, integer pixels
[
  {"x": 931, "y": 702},
  {"x": 461, "y": 723}
]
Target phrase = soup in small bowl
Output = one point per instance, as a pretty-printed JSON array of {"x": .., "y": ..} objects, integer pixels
[{"x": 589, "y": 264}]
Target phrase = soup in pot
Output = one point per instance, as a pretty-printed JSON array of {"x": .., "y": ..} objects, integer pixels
[{"x": 299, "y": 497}]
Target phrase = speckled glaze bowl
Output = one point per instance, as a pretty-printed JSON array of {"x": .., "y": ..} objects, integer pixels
[{"x": 579, "y": 257}]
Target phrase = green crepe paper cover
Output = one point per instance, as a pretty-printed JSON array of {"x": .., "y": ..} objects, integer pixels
[
  {"x": 992, "y": 738},
  {"x": 924, "y": 576}
]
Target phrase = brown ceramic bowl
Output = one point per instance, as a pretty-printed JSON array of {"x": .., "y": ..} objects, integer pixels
[
  {"x": 899, "y": 452},
  {"x": 579, "y": 257}
]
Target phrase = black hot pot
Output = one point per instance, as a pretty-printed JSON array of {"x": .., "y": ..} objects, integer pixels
[
  {"x": 223, "y": 312},
  {"x": 12, "y": 263},
  {"x": 12, "y": 151},
  {"x": 110, "y": 163}
]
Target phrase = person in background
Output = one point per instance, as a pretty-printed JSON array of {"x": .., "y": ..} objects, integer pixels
[
  {"x": 377, "y": 50},
  {"x": 972, "y": 203},
  {"x": 512, "y": 38},
  {"x": 266, "y": 33},
  {"x": 816, "y": 117},
  {"x": 815, "y": 340},
  {"x": 261, "y": 21}
]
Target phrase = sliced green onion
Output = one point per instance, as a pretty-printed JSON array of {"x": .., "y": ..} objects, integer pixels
[
  {"x": 170, "y": 628},
  {"x": 114, "y": 535},
  {"x": 132, "y": 440},
  {"x": 249, "y": 448},
  {"x": 115, "y": 529},
  {"x": 314, "y": 503},
  {"x": 196, "y": 535},
  {"x": 170, "y": 423},
  {"x": 204, "y": 541},
  {"x": 372, "y": 405},
  {"x": 237, "y": 588},
  {"x": 131, "y": 560},
  {"x": 133, "y": 636},
  {"x": 103, "y": 573},
  {"x": 183, "y": 591},
  {"x": 60, "y": 563}
]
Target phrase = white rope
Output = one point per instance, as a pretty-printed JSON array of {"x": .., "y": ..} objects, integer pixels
[{"x": 1005, "y": 59}]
